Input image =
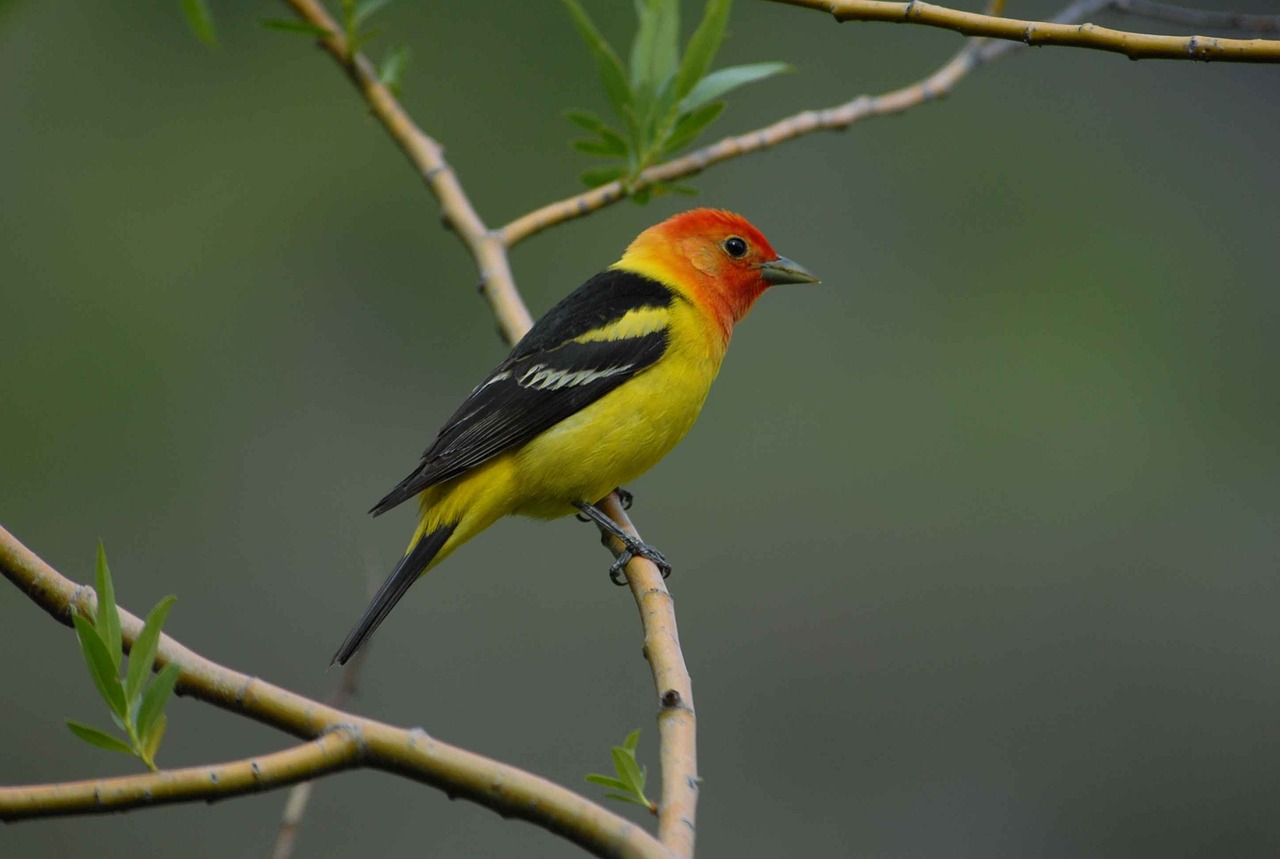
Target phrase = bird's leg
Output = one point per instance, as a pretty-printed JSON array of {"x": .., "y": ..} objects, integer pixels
[
  {"x": 625, "y": 498},
  {"x": 631, "y": 546}
]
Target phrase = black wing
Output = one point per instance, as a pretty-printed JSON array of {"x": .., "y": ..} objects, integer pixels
[{"x": 546, "y": 378}]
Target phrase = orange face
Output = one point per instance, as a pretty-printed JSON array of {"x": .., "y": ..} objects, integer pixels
[{"x": 726, "y": 262}]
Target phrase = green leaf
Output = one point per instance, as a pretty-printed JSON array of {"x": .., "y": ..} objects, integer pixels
[
  {"x": 101, "y": 669},
  {"x": 722, "y": 81},
  {"x": 305, "y": 28},
  {"x": 200, "y": 21},
  {"x": 632, "y": 740},
  {"x": 628, "y": 770},
  {"x": 151, "y": 742},
  {"x": 591, "y": 146},
  {"x": 143, "y": 654},
  {"x": 393, "y": 68},
  {"x": 585, "y": 119},
  {"x": 663, "y": 113},
  {"x": 641, "y": 196},
  {"x": 349, "y": 29},
  {"x": 611, "y": 74},
  {"x": 156, "y": 697},
  {"x": 608, "y": 781},
  {"x": 101, "y": 739},
  {"x": 366, "y": 8},
  {"x": 691, "y": 125},
  {"x": 108, "y": 619},
  {"x": 703, "y": 46},
  {"x": 654, "y": 49},
  {"x": 598, "y": 176}
]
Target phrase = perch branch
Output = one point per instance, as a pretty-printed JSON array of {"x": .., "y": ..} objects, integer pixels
[{"x": 677, "y": 723}]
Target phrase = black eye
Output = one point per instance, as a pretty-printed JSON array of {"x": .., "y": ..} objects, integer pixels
[{"x": 735, "y": 247}]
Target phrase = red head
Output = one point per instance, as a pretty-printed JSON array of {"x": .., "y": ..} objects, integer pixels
[{"x": 715, "y": 258}]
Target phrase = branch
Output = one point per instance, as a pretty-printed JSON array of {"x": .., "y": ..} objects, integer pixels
[
  {"x": 1135, "y": 46},
  {"x": 838, "y": 118},
  {"x": 411, "y": 753},
  {"x": 677, "y": 724},
  {"x": 679, "y": 767},
  {"x": 936, "y": 85},
  {"x": 332, "y": 752}
]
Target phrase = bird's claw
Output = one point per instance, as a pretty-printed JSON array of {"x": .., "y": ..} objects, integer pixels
[
  {"x": 625, "y": 498},
  {"x": 634, "y": 548}
]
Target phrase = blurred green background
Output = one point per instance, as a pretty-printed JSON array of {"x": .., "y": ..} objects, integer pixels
[{"x": 976, "y": 544}]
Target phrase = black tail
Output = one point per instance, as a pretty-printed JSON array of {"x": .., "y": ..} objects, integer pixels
[{"x": 396, "y": 586}]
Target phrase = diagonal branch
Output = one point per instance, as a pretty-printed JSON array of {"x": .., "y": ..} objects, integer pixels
[
  {"x": 509, "y": 791},
  {"x": 1135, "y": 46},
  {"x": 838, "y": 118}
]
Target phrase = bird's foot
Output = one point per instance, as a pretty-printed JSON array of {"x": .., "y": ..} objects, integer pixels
[
  {"x": 631, "y": 549},
  {"x": 631, "y": 546}
]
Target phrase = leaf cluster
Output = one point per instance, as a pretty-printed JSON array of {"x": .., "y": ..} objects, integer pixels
[
  {"x": 135, "y": 698},
  {"x": 628, "y": 786},
  {"x": 662, "y": 101}
]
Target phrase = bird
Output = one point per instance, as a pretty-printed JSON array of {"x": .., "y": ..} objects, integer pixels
[{"x": 597, "y": 392}]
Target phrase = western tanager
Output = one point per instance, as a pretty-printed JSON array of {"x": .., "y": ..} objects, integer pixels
[{"x": 597, "y": 392}]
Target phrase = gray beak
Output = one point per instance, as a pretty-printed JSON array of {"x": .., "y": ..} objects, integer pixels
[{"x": 783, "y": 270}]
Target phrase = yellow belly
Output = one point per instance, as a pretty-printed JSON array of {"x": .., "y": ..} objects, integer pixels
[
  {"x": 615, "y": 439},
  {"x": 611, "y": 442}
]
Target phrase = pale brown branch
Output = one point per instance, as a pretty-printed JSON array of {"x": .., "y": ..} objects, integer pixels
[
  {"x": 1135, "y": 46},
  {"x": 333, "y": 752},
  {"x": 840, "y": 117},
  {"x": 677, "y": 724},
  {"x": 411, "y": 753},
  {"x": 837, "y": 118}
]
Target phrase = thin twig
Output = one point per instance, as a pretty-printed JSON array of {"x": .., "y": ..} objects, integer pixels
[
  {"x": 837, "y": 118},
  {"x": 411, "y": 753},
  {"x": 1197, "y": 17},
  {"x": 1135, "y": 46},
  {"x": 295, "y": 805},
  {"x": 975, "y": 54}
]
